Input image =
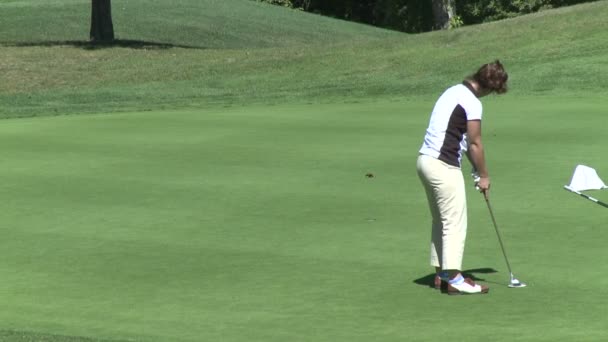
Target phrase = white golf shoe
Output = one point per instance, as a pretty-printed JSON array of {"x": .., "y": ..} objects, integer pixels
[{"x": 468, "y": 286}]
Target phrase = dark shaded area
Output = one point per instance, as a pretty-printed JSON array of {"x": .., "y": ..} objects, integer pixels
[
  {"x": 416, "y": 16},
  {"x": 428, "y": 279},
  {"x": 88, "y": 45},
  {"x": 402, "y": 15}
]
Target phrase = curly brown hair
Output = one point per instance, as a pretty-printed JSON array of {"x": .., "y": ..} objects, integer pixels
[{"x": 492, "y": 77}]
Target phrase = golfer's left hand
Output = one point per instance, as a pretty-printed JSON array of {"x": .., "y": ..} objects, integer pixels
[{"x": 484, "y": 185}]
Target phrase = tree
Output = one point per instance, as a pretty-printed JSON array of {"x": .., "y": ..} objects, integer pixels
[
  {"x": 423, "y": 15},
  {"x": 443, "y": 12},
  {"x": 102, "y": 29},
  {"x": 411, "y": 16}
]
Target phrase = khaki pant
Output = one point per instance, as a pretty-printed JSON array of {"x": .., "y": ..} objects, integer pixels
[{"x": 445, "y": 191}]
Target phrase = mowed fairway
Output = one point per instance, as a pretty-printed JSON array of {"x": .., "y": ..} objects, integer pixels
[{"x": 258, "y": 224}]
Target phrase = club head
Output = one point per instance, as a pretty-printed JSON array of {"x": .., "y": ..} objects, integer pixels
[{"x": 514, "y": 283}]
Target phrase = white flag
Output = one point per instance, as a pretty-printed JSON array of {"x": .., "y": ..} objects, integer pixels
[{"x": 585, "y": 178}]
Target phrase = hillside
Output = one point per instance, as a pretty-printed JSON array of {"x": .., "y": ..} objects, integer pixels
[
  {"x": 203, "y": 24},
  {"x": 231, "y": 52}
]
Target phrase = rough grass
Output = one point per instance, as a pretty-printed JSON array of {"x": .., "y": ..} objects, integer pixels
[
  {"x": 204, "y": 24},
  {"x": 28, "y": 336},
  {"x": 553, "y": 52}
]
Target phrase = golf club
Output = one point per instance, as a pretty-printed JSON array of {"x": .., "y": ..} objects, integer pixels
[
  {"x": 513, "y": 283},
  {"x": 586, "y": 196}
]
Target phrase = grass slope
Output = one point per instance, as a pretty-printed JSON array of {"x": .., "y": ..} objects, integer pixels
[
  {"x": 204, "y": 24},
  {"x": 554, "y": 52}
]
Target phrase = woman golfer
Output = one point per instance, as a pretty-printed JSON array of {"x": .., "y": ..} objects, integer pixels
[{"x": 455, "y": 129}]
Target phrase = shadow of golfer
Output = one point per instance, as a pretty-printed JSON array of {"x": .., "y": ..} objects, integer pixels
[{"x": 429, "y": 279}]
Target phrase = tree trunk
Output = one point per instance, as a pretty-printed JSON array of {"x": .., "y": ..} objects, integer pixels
[
  {"x": 443, "y": 12},
  {"x": 102, "y": 29}
]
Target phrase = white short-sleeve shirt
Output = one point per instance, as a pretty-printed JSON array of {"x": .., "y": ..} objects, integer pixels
[{"x": 445, "y": 137}]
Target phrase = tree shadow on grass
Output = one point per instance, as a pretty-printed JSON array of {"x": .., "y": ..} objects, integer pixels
[
  {"x": 428, "y": 280},
  {"x": 88, "y": 45}
]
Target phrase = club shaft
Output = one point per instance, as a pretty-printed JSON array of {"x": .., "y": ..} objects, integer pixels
[{"x": 502, "y": 247}]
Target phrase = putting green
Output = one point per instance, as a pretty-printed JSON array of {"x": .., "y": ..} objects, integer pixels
[{"x": 258, "y": 224}]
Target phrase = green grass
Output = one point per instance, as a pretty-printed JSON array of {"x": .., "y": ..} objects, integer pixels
[
  {"x": 258, "y": 224},
  {"x": 554, "y": 52},
  {"x": 203, "y": 24},
  {"x": 216, "y": 189},
  {"x": 26, "y": 336}
]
